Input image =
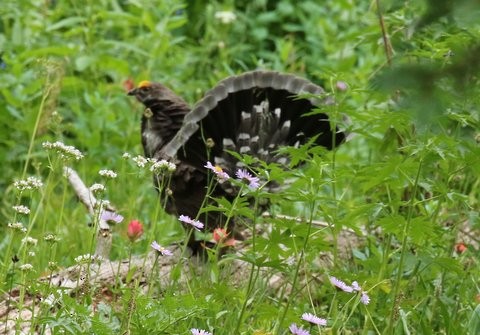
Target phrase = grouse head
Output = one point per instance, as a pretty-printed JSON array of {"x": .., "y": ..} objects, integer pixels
[
  {"x": 163, "y": 115},
  {"x": 149, "y": 93}
]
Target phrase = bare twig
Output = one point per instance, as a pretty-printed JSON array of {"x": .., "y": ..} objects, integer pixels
[{"x": 386, "y": 40}]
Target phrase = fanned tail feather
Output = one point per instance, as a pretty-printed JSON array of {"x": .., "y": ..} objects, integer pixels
[{"x": 255, "y": 114}]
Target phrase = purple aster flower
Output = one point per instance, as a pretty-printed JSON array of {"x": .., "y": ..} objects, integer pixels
[
  {"x": 341, "y": 285},
  {"x": 195, "y": 223},
  {"x": 298, "y": 330},
  {"x": 356, "y": 287},
  {"x": 111, "y": 217},
  {"x": 313, "y": 319},
  {"x": 221, "y": 175},
  {"x": 244, "y": 176},
  {"x": 199, "y": 332},
  {"x": 365, "y": 299},
  {"x": 161, "y": 250}
]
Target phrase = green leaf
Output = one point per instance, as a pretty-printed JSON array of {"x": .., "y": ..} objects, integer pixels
[
  {"x": 474, "y": 322},
  {"x": 449, "y": 264},
  {"x": 84, "y": 62},
  {"x": 393, "y": 224},
  {"x": 65, "y": 23}
]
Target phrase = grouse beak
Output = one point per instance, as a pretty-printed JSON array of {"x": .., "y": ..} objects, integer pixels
[{"x": 132, "y": 92}]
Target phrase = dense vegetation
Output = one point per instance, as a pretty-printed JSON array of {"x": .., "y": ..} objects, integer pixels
[{"x": 406, "y": 182}]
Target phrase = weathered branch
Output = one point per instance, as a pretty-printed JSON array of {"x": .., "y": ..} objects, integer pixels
[{"x": 94, "y": 207}]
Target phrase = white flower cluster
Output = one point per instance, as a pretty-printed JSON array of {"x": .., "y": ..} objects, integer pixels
[
  {"x": 29, "y": 240},
  {"x": 26, "y": 267},
  {"x": 50, "y": 238},
  {"x": 155, "y": 165},
  {"x": 87, "y": 258},
  {"x": 140, "y": 161},
  {"x": 162, "y": 165},
  {"x": 30, "y": 183},
  {"x": 226, "y": 17},
  {"x": 21, "y": 209},
  {"x": 108, "y": 173},
  {"x": 17, "y": 226},
  {"x": 102, "y": 204},
  {"x": 65, "y": 151},
  {"x": 96, "y": 188}
]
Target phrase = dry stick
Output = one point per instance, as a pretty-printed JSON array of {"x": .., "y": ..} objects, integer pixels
[{"x": 85, "y": 195}]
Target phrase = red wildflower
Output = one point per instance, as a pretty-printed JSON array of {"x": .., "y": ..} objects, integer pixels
[
  {"x": 220, "y": 237},
  {"x": 134, "y": 230},
  {"x": 460, "y": 248},
  {"x": 128, "y": 84}
]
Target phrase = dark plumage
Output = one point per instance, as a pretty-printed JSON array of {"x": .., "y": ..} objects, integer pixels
[{"x": 253, "y": 113}]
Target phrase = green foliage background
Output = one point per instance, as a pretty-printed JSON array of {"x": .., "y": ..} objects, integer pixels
[{"x": 412, "y": 161}]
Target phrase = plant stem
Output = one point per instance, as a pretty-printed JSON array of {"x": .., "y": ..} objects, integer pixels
[
  {"x": 251, "y": 276},
  {"x": 406, "y": 229},
  {"x": 35, "y": 128},
  {"x": 297, "y": 268},
  {"x": 386, "y": 41}
]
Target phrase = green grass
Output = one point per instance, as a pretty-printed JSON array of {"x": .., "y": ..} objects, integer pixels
[{"x": 406, "y": 182}]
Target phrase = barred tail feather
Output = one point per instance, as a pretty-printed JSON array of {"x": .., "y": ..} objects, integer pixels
[{"x": 253, "y": 113}]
